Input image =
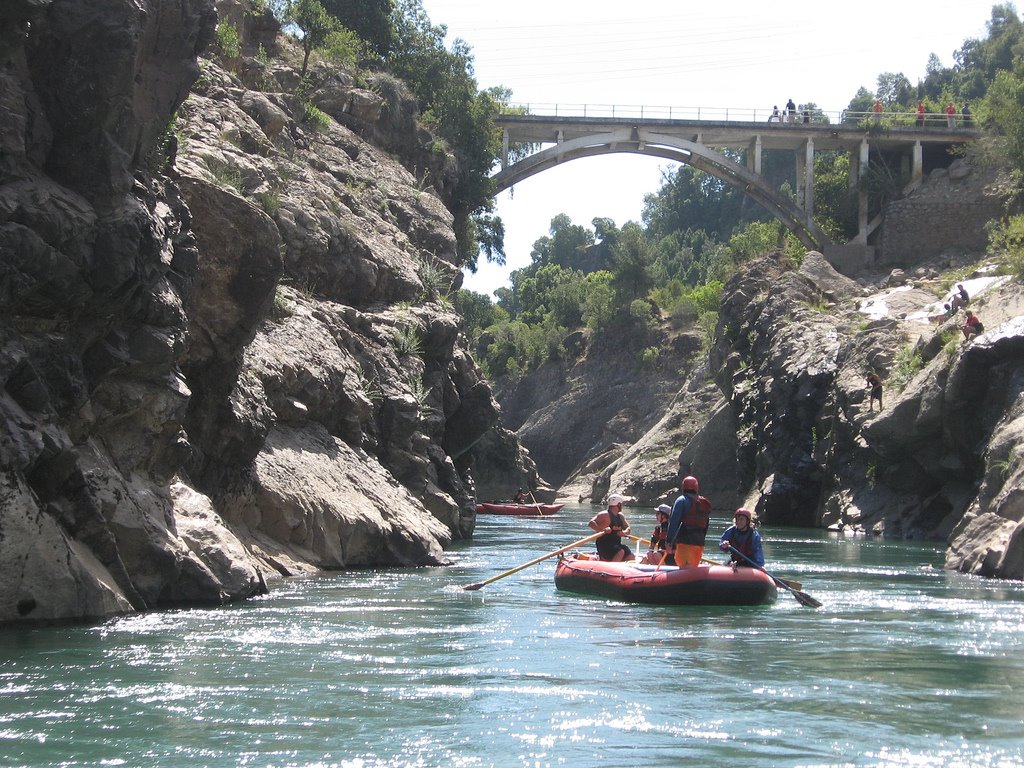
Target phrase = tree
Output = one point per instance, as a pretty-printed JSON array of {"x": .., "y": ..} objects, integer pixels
[
  {"x": 478, "y": 311},
  {"x": 632, "y": 259},
  {"x": 453, "y": 107},
  {"x": 370, "y": 19},
  {"x": 860, "y": 104},
  {"x": 1004, "y": 106},
  {"x": 895, "y": 90},
  {"x": 565, "y": 244},
  {"x": 315, "y": 24}
]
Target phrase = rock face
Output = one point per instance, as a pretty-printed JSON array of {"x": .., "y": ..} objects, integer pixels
[
  {"x": 226, "y": 348},
  {"x": 937, "y": 461},
  {"x": 578, "y": 418},
  {"x": 777, "y": 417}
]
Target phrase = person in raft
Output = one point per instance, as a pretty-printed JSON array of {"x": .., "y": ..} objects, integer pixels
[
  {"x": 658, "y": 553},
  {"x": 520, "y": 497},
  {"x": 742, "y": 536},
  {"x": 688, "y": 524},
  {"x": 612, "y": 524}
]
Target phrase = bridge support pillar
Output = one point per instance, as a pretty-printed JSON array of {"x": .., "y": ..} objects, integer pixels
[
  {"x": 809, "y": 181},
  {"x": 862, "y": 195},
  {"x": 917, "y": 165},
  {"x": 504, "y": 149},
  {"x": 754, "y": 155}
]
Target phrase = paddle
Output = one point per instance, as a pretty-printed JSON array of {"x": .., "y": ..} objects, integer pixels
[
  {"x": 537, "y": 504},
  {"x": 560, "y": 550},
  {"x": 801, "y": 597},
  {"x": 791, "y": 583}
]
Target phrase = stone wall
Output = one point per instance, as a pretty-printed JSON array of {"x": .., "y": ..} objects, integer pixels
[{"x": 945, "y": 215}]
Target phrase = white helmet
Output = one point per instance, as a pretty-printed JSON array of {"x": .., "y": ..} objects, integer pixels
[{"x": 616, "y": 500}]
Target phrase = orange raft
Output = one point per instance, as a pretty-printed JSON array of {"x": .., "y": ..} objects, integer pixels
[
  {"x": 634, "y": 582},
  {"x": 511, "y": 508}
]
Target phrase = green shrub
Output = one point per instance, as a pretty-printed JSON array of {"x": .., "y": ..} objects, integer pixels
[
  {"x": 708, "y": 323},
  {"x": 228, "y": 41},
  {"x": 649, "y": 357},
  {"x": 343, "y": 47},
  {"x": 315, "y": 116},
  {"x": 225, "y": 174},
  {"x": 1006, "y": 238},
  {"x": 406, "y": 341},
  {"x": 908, "y": 363}
]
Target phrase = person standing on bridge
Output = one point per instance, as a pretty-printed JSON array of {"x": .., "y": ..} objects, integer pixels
[
  {"x": 950, "y": 115},
  {"x": 877, "y": 109},
  {"x": 776, "y": 117},
  {"x": 920, "y": 114},
  {"x": 790, "y": 111},
  {"x": 966, "y": 112}
]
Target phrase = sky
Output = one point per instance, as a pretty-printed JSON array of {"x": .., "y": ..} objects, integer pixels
[{"x": 746, "y": 55}]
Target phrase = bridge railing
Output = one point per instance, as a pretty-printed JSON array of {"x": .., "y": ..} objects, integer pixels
[{"x": 737, "y": 114}]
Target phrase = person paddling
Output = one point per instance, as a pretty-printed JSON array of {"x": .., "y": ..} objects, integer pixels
[
  {"x": 743, "y": 537},
  {"x": 613, "y": 524}
]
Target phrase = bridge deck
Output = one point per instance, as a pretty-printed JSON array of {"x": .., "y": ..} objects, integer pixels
[{"x": 540, "y": 129}]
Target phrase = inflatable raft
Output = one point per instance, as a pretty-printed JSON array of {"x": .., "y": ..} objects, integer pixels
[
  {"x": 637, "y": 583},
  {"x": 511, "y": 508}
]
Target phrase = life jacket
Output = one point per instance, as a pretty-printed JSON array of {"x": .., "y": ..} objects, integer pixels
[
  {"x": 698, "y": 515},
  {"x": 659, "y": 536},
  {"x": 610, "y": 542},
  {"x": 743, "y": 541}
]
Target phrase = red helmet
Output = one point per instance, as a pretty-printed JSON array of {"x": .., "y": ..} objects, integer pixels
[
  {"x": 741, "y": 512},
  {"x": 690, "y": 484}
]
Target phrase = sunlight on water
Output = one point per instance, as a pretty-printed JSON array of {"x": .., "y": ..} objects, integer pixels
[{"x": 903, "y": 665}]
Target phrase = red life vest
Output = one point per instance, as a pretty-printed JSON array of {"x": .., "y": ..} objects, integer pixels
[{"x": 698, "y": 515}]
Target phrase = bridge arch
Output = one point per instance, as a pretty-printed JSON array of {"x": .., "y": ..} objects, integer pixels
[{"x": 646, "y": 142}]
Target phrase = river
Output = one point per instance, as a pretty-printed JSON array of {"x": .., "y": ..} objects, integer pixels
[{"x": 904, "y": 664}]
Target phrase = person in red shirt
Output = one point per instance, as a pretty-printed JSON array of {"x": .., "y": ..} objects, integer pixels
[
  {"x": 920, "y": 114},
  {"x": 972, "y": 326},
  {"x": 951, "y": 115}
]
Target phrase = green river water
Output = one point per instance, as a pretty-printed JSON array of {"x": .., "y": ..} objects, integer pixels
[{"x": 903, "y": 665}]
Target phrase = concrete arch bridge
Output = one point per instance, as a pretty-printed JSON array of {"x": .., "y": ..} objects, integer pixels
[{"x": 695, "y": 142}]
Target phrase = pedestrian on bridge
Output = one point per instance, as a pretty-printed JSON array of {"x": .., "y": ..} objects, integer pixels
[
  {"x": 790, "y": 111},
  {"x": 877, "y": 109},
  {"x": 950, "y": 115},
  {"x": 967, "y": 114},
  {"x": 920, "y": 114},
  {"x": 776, "y": 117}
]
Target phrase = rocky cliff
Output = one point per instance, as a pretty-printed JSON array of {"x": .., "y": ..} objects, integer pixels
[
  {"x": 227, "y": 351},
  {"x": 778, "y": 416}
]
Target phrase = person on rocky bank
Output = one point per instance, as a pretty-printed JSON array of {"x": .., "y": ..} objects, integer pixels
[
  {"x": 972, "y": 327},
  {"x": 875, "y": 390},
  {"x": 743, "y": 537},
  {"x": 959, "y": 298},
  {"x": 613, "y": 525},
  {"x": 688, "y": 524}
]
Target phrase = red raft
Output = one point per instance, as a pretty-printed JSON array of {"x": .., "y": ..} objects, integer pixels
[
  {"x": 633, "y": 582},
  {"x": 511, "y": 508}
]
